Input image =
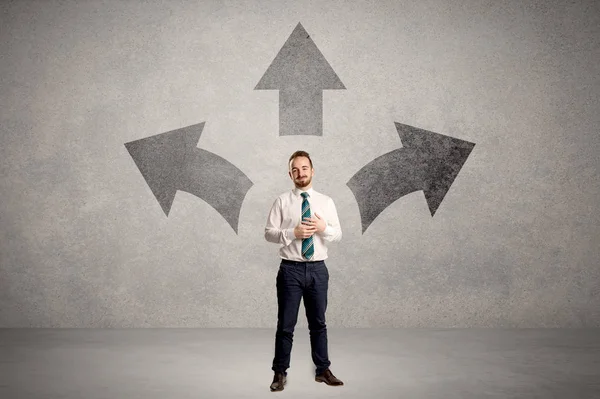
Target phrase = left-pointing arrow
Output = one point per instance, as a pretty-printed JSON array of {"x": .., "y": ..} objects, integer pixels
[{"x": 171, "y": 161}]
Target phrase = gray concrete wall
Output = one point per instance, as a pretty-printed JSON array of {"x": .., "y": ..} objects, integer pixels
[{"x": 84, "y": 242}]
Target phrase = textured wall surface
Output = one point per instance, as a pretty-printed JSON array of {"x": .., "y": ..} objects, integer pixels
[{"x": 85, "y": 243}]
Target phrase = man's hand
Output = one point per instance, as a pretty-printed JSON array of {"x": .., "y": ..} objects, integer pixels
[
  {"x": 317, "y": 222},
  {"x": 304, "y": 229}
]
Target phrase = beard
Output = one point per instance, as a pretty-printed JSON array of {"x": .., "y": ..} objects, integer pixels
[{"x": 303, "y": 183}]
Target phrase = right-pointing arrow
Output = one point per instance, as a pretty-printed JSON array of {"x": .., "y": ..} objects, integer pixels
[
  {"x": 427, "y": 161},
  {"x": 300, "y": 73}
]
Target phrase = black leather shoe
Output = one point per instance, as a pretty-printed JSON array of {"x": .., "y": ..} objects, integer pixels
[
  {"x": 279, "y": 380},
  {"x": 328, "y": 378}
]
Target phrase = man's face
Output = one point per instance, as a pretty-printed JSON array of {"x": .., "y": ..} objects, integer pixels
[{"x": 301, "y": 172}]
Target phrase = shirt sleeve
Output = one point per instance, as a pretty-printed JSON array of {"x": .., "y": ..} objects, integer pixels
[
  {"x": 273, "y": 231},
  {"x": 333, "y": 231}
]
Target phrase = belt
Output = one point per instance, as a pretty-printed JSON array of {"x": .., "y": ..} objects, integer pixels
[{"x": 293, "y": 262}]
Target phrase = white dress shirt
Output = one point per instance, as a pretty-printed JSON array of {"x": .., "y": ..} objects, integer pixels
[{"x": 286, "y": 214}]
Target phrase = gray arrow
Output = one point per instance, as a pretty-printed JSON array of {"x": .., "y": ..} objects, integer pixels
[
  {"x": 300, "y": 73},
  {"x": 171, "y": 161},
  {"x": 427, "y": 161}
]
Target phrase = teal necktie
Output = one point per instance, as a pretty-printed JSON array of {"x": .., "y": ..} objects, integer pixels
[{"x": 308, "y": 248}]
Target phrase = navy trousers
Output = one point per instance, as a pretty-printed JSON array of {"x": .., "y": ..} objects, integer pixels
[{"x": 295, "y": 281}]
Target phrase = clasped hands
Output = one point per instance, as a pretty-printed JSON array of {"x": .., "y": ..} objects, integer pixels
[{"x": 310, "y": 226}]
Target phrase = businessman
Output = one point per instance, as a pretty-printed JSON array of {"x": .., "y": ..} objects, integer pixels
[{"x": 303, "y": 222}]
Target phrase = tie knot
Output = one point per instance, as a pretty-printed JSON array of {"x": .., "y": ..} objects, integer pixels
[{"x": 304, "y": 194}]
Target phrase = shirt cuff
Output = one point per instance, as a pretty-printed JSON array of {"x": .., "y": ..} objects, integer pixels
[
  {"x": 329, "y": 231},
  {"x": 289, "y": 236}
]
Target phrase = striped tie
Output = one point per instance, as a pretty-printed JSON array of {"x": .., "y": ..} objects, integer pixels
[{"x": 308, "y": 249}]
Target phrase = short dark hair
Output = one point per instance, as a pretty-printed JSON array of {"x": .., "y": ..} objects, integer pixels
[{"x": 300, "y": 154}]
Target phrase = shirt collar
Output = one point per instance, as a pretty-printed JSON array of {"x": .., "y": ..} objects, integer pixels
[{"x": 297, "y": 191}]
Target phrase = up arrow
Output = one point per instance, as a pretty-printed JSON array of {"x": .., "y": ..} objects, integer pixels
[{"x": 300, "y": 73}]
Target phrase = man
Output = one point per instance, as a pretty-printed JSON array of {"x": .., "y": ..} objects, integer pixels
[{"x": 302, "y": 221}]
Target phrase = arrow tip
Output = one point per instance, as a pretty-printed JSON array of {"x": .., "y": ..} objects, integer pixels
[
  {"x": 160, "y": 159},
  {"x": 300, "y": 29},
  {"x": 444, "y": 156},
  {"x": 300, "y": 64}
]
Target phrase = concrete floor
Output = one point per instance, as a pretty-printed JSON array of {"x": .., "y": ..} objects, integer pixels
[{"x": 235, "y": 363}]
